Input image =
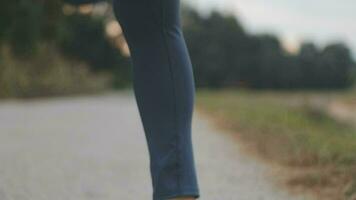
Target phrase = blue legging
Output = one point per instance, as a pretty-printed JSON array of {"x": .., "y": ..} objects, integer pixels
[{"x": 164, "y": 90}]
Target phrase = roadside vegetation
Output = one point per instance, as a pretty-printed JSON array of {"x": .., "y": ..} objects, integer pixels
[
  {"x": 291, "y": 129},
  {"x": 27, "y": 77},
  {"x": 223, "y": 53},
  {"x": 51, "y": 48}
]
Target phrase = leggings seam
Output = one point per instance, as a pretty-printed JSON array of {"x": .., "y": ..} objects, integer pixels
[{"x": 164, "y": 33}]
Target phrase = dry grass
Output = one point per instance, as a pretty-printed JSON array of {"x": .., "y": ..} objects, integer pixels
[
  {"x": 45, "y": 74},
  {"x": 293, "y": 130}
]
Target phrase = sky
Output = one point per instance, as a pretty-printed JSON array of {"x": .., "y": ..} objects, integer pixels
[{"x": 320, "y": 21}]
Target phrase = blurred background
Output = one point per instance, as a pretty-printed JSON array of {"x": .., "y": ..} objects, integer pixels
[{"x": 279, "y": 74}]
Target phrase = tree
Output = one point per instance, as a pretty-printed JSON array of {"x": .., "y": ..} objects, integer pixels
[
  {"x": 335, "y": 66},
  {"x": 308, "y": 60}
]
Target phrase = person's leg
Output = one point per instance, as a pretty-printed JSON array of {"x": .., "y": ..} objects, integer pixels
[{"x": 164, "y": 90}]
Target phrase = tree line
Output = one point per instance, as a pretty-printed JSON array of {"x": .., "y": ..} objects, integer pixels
[{"x": 222, "y": 52}]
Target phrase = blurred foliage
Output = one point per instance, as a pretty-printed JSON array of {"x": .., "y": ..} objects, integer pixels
[
  {"x": 28, "y": 78},
  {"x": 224, "y": 54},
  {"x": 83, "y": 38},
  {"x": 26, "y": 24}
]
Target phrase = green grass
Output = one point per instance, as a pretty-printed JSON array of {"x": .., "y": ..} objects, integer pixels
[
  {"x": 273, "y": 114},
  {"x": 285, "y": 127}
]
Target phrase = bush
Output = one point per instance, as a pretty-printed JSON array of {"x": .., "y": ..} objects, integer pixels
[{"x": 46, "y": 73}]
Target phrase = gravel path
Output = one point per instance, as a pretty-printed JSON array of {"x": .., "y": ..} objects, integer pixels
[{"x": 84, "y": 148}]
